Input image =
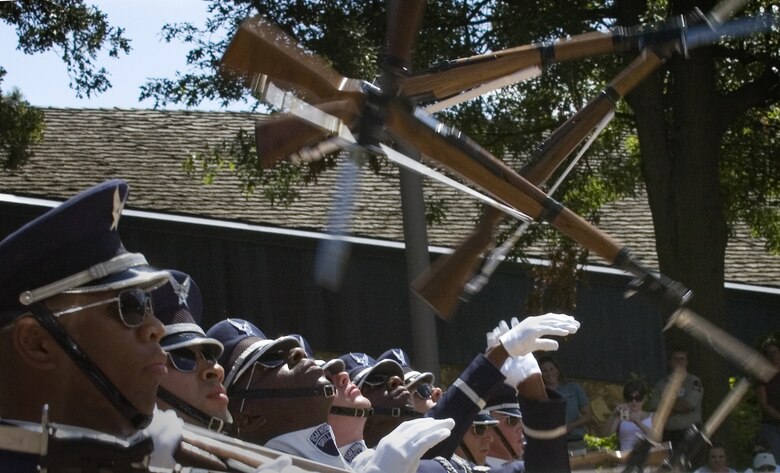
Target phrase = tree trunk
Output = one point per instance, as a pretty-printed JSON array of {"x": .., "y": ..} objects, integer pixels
[{"x": 680, "y": 140}]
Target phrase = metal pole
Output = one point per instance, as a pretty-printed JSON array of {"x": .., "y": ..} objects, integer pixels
[{"x": 425, "y": 346}]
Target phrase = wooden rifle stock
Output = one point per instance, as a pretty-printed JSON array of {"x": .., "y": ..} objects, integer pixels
[
  {"x": 259, "y": 47},
  {"x": 476, "y": 165},
  {"x": 280, "y": 136},
  {"x": 443, "y": 283},
  {"x": 466, "y": 73},
  {"x": 403, "y": 25}
]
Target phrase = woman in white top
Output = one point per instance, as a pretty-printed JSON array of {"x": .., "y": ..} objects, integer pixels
[{"x": 629, "y": 419}]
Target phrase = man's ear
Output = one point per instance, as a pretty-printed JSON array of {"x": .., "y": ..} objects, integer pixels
[{"x": 34, "y": 344}]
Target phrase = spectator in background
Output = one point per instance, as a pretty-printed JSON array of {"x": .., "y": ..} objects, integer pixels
[
  {"x": 717, "y": 461},
  {"x": 768, "y": 395},
  {"x": 630, "y": 419},
  {"x": 687, "y": 408},
  {"x": 763, "y": 462},
  {"x": 578, "y": 412}
]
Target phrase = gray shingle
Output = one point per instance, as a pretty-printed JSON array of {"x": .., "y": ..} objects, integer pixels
[{"x": 147, "y": 147}]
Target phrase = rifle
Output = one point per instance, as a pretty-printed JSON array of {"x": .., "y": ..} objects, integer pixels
[
  {"x": 694, "y": 439},
  {"x": 638, "y": 456},
  {"x": 63, "y": 448},
  {"x": 443, "y": 283},
  {"x": 293, "y": 68}
]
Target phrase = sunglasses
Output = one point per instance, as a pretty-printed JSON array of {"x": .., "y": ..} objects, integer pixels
[
  {"x": 424, "y": 391},
  {"x": 480, "y": 429},
  {"x": 376, "y": 380},
  {"x": 134, "y": 305},
  {"x": 512, "y": 421},
  {"x": 186, "y": 359},
  {"x": 273, "y": 358},
  {"x": 635, "y": 397},
  {"x": 766, "y": 468}
]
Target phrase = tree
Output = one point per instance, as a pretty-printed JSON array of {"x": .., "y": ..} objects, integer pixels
[{"x": 78, "y": 32}]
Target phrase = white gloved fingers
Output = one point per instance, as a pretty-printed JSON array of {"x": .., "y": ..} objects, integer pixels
[
  {"x": 517, "y": 370},
  {"x": 511, "y": 372},
  {"x": 528, "y": 366},
  {"x": 524, "y": 337},
  {"x": 492, "y": 340},
  {"x": 503, "y": 327},
  {"x": 545, "y": 344},
  {"x": 166, "y": 432},
  {"x": 276, "y": 465},
  {"x": 562, "y": 321},
  {"x": 515, "y": 321},
  {"x": 400, "y": 450},
  {"x": 294, "y": 469}
]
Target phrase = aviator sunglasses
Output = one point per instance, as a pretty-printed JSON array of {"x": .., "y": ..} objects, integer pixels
[
  {"x": 376, "y": 380},
  {"x": 186, "y": 359},
  {"x": 424, "y": 391},
  {"x": 134, "y": 305},
  {"x": 273, "y": 358},
  {"x": 512, "y": 421},
  {"x": 480, "y": 429}
]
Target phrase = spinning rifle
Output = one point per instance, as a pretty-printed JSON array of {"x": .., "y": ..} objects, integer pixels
[
  {"x": 450, "y": 148},
  {"x": 293, "y": 69},
  {"x": 450, "y": 277}
]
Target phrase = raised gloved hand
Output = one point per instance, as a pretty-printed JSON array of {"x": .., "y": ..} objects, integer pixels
[
  {"x": 400, "y": 450},
  {"x": 517, "y": 370},
  {"x": 166, "y": 431},
  {"x": 526, "y": 336}
]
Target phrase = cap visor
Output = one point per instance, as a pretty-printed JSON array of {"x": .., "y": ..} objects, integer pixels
[
  {"x": 279, "y": 343},
  {"x": 386, "y": 367},
  {"x": 145, "y": 277},
  {"x": 334, "y": 366},
  {"x": 188, "y": 339},
  {"x": 413, "y": 379}
]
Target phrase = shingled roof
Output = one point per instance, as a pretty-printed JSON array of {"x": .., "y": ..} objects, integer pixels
[{"x": 147, "y": 147}]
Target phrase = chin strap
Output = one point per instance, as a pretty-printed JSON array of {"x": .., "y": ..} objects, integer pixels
[
  {"x": 405, "y": 411},
  {"x": 137, "y": 419},
  {"x": 467, "y": 453},
  {"x": 351, "y": 412},
  {"x": 505, "y": 442},
  {"x": 327, "y": 391},
  {"x": 210, "y": 422}
]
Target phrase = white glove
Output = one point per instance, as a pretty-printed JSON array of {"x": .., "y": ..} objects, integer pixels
[
  {"x": 502, "y": 328},
  {"x": 400, "y": 450},
  {"x": 165, "y": 430},
  {"x": 282, "y": 464},
  {"x": 525, "y": 337},
  {"x": 517, "y": 370}
]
